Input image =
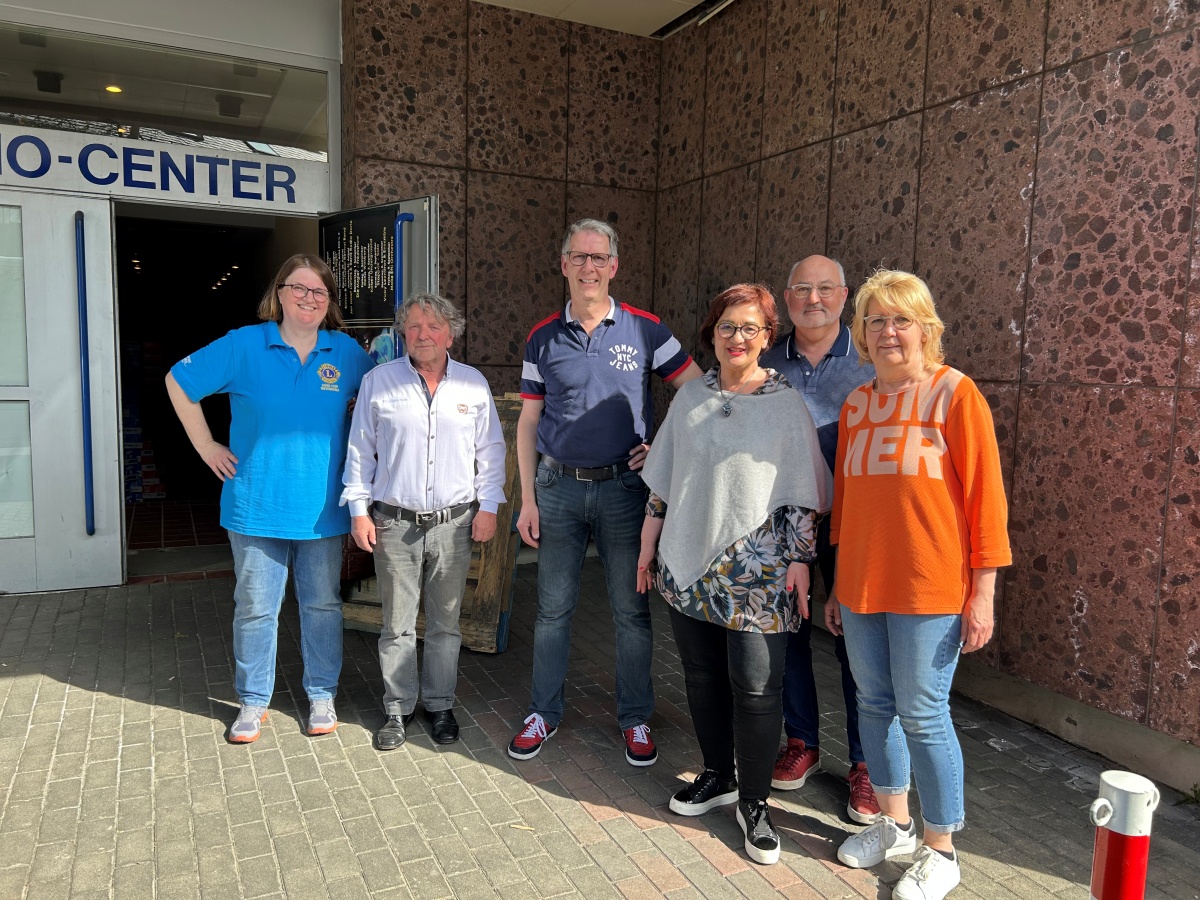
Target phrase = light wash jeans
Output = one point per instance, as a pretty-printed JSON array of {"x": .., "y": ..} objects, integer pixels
[
  {"x": 261, "y": 566},
  {"x": 612, "y": 512},
  {"x": 904, "y": 666},
  {"x": 407, "y": 559}
]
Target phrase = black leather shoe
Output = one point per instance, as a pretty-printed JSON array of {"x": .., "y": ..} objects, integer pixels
[
  {"x": 445, "y": 728},
  {"x": 391, "y": 735}
]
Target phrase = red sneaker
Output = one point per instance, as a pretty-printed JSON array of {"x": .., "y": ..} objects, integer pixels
[
  {"x": 639, "y": 746},
  {"x": 529, "y": 739},
  {"x": 794, "y": 764},
  {"x": 863, "y": 807}
]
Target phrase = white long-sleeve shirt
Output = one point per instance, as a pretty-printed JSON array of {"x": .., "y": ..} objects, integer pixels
[{"x": 408, "y": 450}]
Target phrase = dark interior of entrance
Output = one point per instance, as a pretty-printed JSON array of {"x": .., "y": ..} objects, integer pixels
[{"x": 181, "y": 285}]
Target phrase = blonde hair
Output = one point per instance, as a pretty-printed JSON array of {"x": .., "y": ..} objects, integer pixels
[
  {"x": 271, "y": 310},
  {"x": 900, "y": 293}
]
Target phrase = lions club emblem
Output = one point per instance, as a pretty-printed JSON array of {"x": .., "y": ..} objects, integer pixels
[{"x": 329, "y": 374}]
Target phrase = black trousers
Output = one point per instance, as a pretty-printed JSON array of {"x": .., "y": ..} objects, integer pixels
[{"x": 734, "y": 685}]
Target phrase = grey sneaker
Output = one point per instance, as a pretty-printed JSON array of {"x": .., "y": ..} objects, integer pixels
[
  {"x": 245, "y": 728},
  {"x": 321, "y": 717},
  {"x": 881, "y": 841},
  {"x": 930, "y": 877}
]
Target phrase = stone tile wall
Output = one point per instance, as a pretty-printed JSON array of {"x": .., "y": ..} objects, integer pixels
[
  {"x": 1039, "y": 174},
  {"x": 520, "y": 124}
]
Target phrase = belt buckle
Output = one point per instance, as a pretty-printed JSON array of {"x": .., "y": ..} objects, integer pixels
[
  {"x": 579, "y": 476},
  {"x": 426, "y": 519}
]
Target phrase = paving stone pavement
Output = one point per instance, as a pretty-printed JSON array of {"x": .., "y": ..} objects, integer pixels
[{"x": 115, "y": 779}]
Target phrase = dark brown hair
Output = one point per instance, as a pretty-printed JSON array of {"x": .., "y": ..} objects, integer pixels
[
  {"x": 271, "y": 310},
  {"x": 758, "y": 294}
]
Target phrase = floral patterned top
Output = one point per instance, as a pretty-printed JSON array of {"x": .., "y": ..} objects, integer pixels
[{"x": 744, "y": 588}]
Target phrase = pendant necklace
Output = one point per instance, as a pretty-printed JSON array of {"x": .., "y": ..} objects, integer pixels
[{"x": 727, "y": 406}]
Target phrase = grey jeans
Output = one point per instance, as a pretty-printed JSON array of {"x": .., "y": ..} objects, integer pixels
[{"x": 407, "y": 559}]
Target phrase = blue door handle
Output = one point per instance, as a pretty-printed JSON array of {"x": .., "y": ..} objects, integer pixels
[{"x": 85, "y": 378}]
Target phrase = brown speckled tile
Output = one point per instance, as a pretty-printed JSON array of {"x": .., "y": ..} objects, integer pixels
[
  {"x": 881, "y": 61},
  {"x": 677, "y": 262},
  {"x": 791, "y": 216},
  {"x": 681, "y": 140},
  {"x": 513, "y": 274},
  {"x": 1189, "y": 371},
  {"x": 1088, "y": 490},
  {"x": 873, "y": 198},
  {"x": 404, "y": 80},
  {"x": 379, "y": 181},
  {"x": 501, "y": 379},
  {"x": 978, "y": 45},
  {"x": 801, "y": 52},
  {"x": 631, "y": 213},
  {"x": 1111, "y": 217},
  {"x": 517, "y": 93},
  {"x": 1002, "y": 401},
  {"x": 1175, "y": 703},
  {"x": 1081, "y": 28},
  {"x": 612, "y": 125},
  {"x": 733, "y": 99},
  {"x": 727, "y": 232},
  {"x": 973, "y": 224}
]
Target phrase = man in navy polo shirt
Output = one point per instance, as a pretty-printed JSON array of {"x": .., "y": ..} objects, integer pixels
[
  {"x": 581, "y": 438},
  {"x": 819, "y": 360}
]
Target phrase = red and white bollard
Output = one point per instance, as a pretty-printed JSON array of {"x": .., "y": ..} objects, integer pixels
[{"x": 1122, "y": 815}]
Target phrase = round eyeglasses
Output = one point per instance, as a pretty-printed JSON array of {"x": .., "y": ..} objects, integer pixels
[
  {"x": 728, "y": 329},
  {"x": 300, "y": 291},
  {"x": 878, "y": 323}
]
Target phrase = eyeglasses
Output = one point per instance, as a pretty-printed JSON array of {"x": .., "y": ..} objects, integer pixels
[
  {"x": 599, "y": 260},
  {"x": 878, "y": 323},
  {"x": 824, "y": 291},
  {"x": 728, "y": 329},
  {"x": 299, "y": 291}
]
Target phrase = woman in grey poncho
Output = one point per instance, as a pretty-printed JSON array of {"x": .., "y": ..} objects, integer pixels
[{"x": 737, "y": 485}]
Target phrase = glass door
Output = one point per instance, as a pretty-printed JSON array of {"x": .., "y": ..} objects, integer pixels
[{"x": 61, "y": 515}]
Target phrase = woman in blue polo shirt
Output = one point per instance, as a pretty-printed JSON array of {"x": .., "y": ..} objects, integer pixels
[{"x": 290, "y": 381}]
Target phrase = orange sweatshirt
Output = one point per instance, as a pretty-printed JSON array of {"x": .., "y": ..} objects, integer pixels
[{"x": 918, "y": 501}]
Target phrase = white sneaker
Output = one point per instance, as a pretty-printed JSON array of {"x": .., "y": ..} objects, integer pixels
[
  {"x": 881, "y": 841},
  {"x": 930, "y": 877}
]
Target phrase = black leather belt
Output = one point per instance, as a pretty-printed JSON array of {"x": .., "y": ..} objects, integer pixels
[
  {"x": 423, "y": 519},
  {"x": 604, "y": 473}
]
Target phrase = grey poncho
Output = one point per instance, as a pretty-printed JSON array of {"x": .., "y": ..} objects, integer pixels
[{"x": 721, "y": 476}]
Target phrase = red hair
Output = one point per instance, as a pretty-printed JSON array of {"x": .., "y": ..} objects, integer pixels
[{"x": 737, "y": 295}]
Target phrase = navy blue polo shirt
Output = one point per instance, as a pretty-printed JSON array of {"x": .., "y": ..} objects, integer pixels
[
  {"x": 596, "y": 387},
  {"x": 289, "y": 428},
  {"x": 825, "y": 387}
]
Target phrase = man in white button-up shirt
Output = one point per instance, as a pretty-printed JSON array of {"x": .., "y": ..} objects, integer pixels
[{"x": 424, "y": 477}]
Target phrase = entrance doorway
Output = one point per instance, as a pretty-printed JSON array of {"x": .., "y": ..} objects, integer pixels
[{"x": 183, "y": 282}]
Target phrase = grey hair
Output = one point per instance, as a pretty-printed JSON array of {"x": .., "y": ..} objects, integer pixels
[
  {"x": 432, "y": 303},
  {"x": 597, "y": 227},
  {"x": 841, "y": 269}
]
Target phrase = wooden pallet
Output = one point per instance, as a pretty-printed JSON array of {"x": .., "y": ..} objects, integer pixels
[{"x": 491, "y": 580}]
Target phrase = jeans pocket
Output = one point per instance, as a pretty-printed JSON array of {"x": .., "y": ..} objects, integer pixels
[
  {"x": 545, "y": 475},
  {"x": 382, "y": 523},
  {"x": 632, "y": 482},
  {"x": 465, "y": 519}
]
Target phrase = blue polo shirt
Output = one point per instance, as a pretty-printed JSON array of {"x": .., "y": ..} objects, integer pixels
[
  {"x": 289, "y": 428},
  {"x": 596, "y": 387},
  {"x": 825, "y": 387}
]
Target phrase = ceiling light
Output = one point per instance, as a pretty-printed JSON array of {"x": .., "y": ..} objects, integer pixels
[
  {"x": 113, "y": 88},
  {"x": 233, "y": 267},
  {"x": 48, "y": 82}
]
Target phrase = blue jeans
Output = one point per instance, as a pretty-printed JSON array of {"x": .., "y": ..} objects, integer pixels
[
  {"x": 260, "y": 565},
  {"x": 612, "y": 512},
  {"x": 904, "y": 666},
  {"x": 801, "y": 715}
]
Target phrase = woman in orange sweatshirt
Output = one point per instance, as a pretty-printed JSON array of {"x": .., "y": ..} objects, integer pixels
[{"x": 920, "y": 520}]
